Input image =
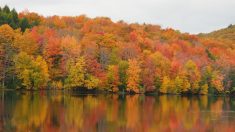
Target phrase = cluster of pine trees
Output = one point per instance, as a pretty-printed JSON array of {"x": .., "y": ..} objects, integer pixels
[
  {"x": 80, "y": 52},
  {"x": 11, "y": 17}
]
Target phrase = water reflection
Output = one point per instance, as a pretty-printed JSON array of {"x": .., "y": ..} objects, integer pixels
[{"x": 47, "y": 111}]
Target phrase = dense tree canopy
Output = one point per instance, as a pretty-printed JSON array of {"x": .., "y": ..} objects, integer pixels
[
  {"x": 80, "y": 52},
  {"x": 15, "y": 20}
]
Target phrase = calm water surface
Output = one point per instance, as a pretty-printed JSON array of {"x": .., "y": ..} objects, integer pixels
[{"x": 59, "y": 111}]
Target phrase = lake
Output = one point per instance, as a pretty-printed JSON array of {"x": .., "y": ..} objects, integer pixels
[{"x": 65, "y": 111}]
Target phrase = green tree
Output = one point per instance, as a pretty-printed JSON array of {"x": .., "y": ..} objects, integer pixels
[
  {"x": 24, "y": 24},
  {"x": 210, "y": 55},
  {"x": 13, "y": 19},
  {"x": 6, "y": 9},
  {"x": 122, "y": 70}
]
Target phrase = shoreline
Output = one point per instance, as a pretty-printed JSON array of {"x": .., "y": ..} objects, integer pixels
[{"x": 96, "y": 92}]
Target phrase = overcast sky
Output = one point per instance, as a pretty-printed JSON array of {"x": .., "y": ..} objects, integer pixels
[{"x": 193, "y": 16}]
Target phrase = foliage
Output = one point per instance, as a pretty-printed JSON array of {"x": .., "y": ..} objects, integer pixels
[
  {"x": 78, "y": 77},
  {"x": 7, "y": 51},
  {"x": 225, "y": 33},
  {"x": 133, "y": 76},
  {"x": 113, "y": 78},
  {"x": 11, "y": 18},
  {"x": 56, "y": 85},
  {"x": 165, "y": 85},
  {"x": 179, "y": 84},
  {"x": 26, "y": 43},
  {"x": 193, "y": 76},
  {"x": 204, "y": 89},
  {"x": 32, "y": 72},
  {"x": 76, "y": 73},
  {"x": 82, "y": 52},
  {"x": 122, "y": 71}
]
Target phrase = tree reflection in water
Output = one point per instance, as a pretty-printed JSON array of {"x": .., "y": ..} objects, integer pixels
[{"x": 46, "y": 111}]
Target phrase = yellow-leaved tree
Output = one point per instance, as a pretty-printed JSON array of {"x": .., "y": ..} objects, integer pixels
[
  {"x": 165, "y": 85},
  {"x": 33, "y": 72},
  {"x": 113, "y": 78},
  {"x": 78, "y": 76},
  {"x": 26, "y": 43},
  {"x": 133, "y": 76},
  {"x": 193, "y": 75}
]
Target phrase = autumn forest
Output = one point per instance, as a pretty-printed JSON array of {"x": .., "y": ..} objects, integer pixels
[{"x": 97, "y": 54}]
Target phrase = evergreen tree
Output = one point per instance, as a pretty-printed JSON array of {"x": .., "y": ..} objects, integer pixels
[{"x": 24, "y": 24}]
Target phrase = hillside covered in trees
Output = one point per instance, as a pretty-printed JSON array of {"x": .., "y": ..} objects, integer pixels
[
  {"x": 225, "y": 34},
  {"x": 56, "y": 52}
]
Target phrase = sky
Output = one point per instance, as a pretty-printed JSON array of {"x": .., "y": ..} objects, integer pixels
[{"x": 192, "y": 16}]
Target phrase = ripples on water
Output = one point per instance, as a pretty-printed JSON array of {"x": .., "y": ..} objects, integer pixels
[{"x": 59, "y": 111}]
